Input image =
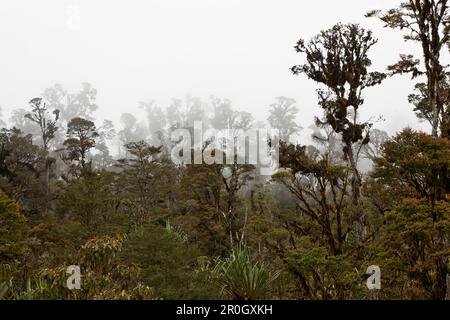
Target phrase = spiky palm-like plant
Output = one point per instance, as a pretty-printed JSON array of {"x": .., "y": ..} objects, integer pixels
[{"x": 243, "y": 278}]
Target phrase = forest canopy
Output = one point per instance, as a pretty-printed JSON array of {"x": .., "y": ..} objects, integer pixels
[{"x": 109, "y": 199}]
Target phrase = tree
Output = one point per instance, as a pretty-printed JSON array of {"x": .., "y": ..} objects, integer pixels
[
  {"x": 282, "y": 117},
  {"x": 21, "y": 167},
  {"x": 183, "y": 113},
  {"x": 167, "y": 263},
  {"x": 72, "y": 105},
  {"x": 81, "y": 104},
  {"x": 88, "y": 200},
  {"x": 328, "y": 142},
  {"x": 156, "y": 120},
  {"x": 48, "y": 127},
  {"x": 318, "y": 239},
  {"x": 226, "y": 117},
  {"x": 421, "y": 101},
  {"x": 39, "y": 115},
  {"x": 132, "y": 131},
  {"x": 19, "y": 121},
  {"x": 147, "y": 178},
  {"x": 338, "y": 58},
  {"x": 415, "y": 166},
  {"x": 200, "y": 207},
  {"x": 320, "y": 189},
  {"x": 416, "y": 161},
  {"x": 324, "y": 277},
  {"x": 373, "y": 149},
  {"x": 104, "y": 159},
  {"x": 13, "y": 228},
  {"x": 81, "y": 135},
  {"x": 13, "y": 243},
  {"x": 413, "y": 249},
  {"x": 210, "y": 197},
  {"x": 428, "y": 23}
]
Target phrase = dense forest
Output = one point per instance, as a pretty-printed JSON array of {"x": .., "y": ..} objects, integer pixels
[{"x": 109, "y": 199}]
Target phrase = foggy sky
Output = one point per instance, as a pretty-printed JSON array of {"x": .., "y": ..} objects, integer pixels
[{"x": 132, "y": 51}]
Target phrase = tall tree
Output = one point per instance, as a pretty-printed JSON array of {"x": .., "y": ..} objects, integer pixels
[
  {"x": 428, "y": 23},
  {"x": 71, "y": 105},
  {"x": 282, "y": 117},
  {"x": 48, "y": 127},
  {"x": 182, "y": 113},
  {"x": 39, "y": 115},
  {"x": 132, "y": 131},
  {"x": 226, "y": 117},
  {"x": 147, "y": 178},
  {"x": 321, "y": 191},
  {"x": 374, "y": 148},
  {"x": 156, "y": 120},
  {"x": 338, "y": 58},
  {"x": 414, "y": 167},
  {"x": 216, "y": 188},
  {"x": 421, "y": 100},
  {"x": 81, "y": 135}
]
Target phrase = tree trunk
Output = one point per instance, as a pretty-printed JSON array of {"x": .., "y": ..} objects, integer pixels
[
  {"x": 356, "y": 180},
  {"x": 434, "y": 96}
]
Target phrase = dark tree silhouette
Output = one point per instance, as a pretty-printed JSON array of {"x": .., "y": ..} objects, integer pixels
[
  {"x": 39, "y": 115},
  {"x": 338, "y": 58},
  {"x": 81, "y": 135},
  {"x": 428, "y": 23}
]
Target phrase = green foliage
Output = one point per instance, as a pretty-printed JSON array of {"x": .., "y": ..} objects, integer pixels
[
  {"x": 414, "y": 249},
  {"x": 142, "y": 227},
  {"x": 90, "y": 200},
  {"x": 13, "y": 228},
  {"x": 321, "y": 276},
  {"x": 98, "y": 253},
  {"x": 416, "y": 161},
  {"x": 103, "y": 276},
  {"x": 242, "y": 278},
  {"x": 3, "y": 290},
  {"x": 6, "y": 278},
  {"x": 147, "y": 179},
  {"x": 81, "y": 137},
  {"x": 322, "y": 193},
  {"x": 426, "y": 23},
  {"x": 210, "y": 205},
  {"x": 21, "y": 165},
  {"x": 167, "y": 263},
  {"x": 338, "y": 58},
  {"x": 412, "y": 245}
]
